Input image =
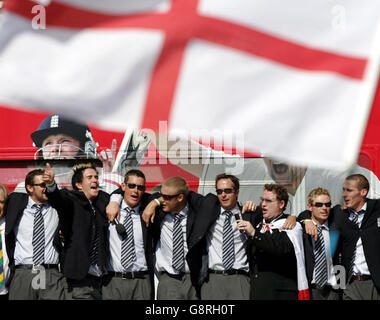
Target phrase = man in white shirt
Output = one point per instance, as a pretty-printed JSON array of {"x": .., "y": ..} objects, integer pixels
[
  {"x": 321, "y": 254},
  {"x": 130, "y": 267},
  {"x": 33, "y": 243}
]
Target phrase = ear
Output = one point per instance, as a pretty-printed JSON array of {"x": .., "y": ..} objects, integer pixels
[
  {"x": 29, "y": 188},
  {"x": 282, "y": 204},
  {"x": 309, "y": 206},
  {"x": 181, "y": 197},
  {"x": 123, "y": 186},
  {"x": 79, "y": 186},
  {"x": 363, "y": 193}
]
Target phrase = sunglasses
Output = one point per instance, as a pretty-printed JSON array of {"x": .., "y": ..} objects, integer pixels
[
  {"x": 42, "y": 184},
  {"x": 321, "y": 204},
  {"x": 168, "y": 196},
  {"x": 140, "y": 187},
  {"x": 226, "y": 191}
]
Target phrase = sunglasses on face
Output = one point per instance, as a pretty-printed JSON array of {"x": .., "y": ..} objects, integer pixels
[
  {"x": 321, "y": 204},
  {"x": 168, "y": 196},
  {"x": 42, "y": 184},
  {"x": 140, "y": 187},
  {"x": 226, "y": 191}
]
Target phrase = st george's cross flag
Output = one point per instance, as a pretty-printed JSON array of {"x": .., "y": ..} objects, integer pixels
[{"x": 296, "y": 78}]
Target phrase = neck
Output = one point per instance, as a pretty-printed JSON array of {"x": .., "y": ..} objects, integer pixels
[
  {"x": 274, "y": 218},
  {"x": 319, "y": 222}
]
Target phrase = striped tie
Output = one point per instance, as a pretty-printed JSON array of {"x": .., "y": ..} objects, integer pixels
[
  {"x": 354, "y": 217},
  {"x": 38, "y": 241},
  {"x": 95, "y": 240},
  {"x": 228, "y": 242},
  {"x": 320, "y": 260},
  {"x": 1, "y": 263},
  {"x": 128, "y": 254},
  {"x": 178, "y": 245}
]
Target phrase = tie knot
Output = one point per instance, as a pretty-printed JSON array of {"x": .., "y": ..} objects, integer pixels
[
  {"x": 320, "y": 228},
  {"x": 38, "y": 207},
  {"x": 129, "y": 210},
  {"x": 228, "y": 214},
  {"x": 178, "y": 216}
]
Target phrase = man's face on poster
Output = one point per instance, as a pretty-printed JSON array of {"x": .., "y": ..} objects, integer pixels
[
  {"x": 283, "y": 173},
  {"x": 60, "y": 146}
]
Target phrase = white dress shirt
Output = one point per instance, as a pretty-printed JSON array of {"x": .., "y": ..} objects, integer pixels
[
  {"x": 3, "y": 289},
  {"x": 331, "y": 280},
  {"x": 164, "y": 249},
  {"x": 116, "y": 240},
  {"x": 360, "y": 264},
  {"x": 24, "y": 234},
  {"x": 215, "y": 244}
]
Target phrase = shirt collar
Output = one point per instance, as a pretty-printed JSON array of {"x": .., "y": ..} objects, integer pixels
[
  {"x": 234, "y": 210},
  {"x": 325, "y": 225},
  {"x": 183, "y": 212},
  {"x": 31, "y": 203},
  {"x": 135, "y": 209}
]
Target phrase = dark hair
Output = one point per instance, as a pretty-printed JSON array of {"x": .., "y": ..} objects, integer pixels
[
  {"x": 235, "y": 180},
  {"x": 362, "y": 181},
  {"x": 29, "y": 179},
  {"x": 134, "y": 172},
  {"x": 279, "y": 190},
  {"x": 78, "y": 173}
]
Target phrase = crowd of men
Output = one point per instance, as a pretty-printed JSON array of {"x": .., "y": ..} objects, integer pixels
[{"x": 86, "y": 244}]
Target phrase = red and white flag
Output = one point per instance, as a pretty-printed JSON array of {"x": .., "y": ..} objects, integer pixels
[{"x": 295, "y": 77}]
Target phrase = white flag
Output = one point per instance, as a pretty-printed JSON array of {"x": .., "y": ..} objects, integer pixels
[{"x": 295, "y": 77}]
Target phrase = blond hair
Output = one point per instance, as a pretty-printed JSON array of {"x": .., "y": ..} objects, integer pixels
[
  {"x": 315, "y": 193},
  {"x": 178, "y": 183}
]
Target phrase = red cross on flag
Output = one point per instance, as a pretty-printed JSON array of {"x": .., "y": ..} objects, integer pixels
[{"x": 295, "y": 77}]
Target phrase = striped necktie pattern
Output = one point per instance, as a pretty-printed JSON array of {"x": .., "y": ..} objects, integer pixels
[
  {"x": 38, "y": 241},
  {"x": 128, "y": 254},
  {"x": 228, "y": 257},
  {"x": 178, "y": 243},
  {"x": 320, "y": 269},
  {"x": 354, "y": 217}
]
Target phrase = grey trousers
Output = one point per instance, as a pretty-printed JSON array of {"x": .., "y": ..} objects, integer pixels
[
  {"x": 43, "y": 284},
  {"x": 327, "y": 293},
  {"x": 361, "y": 290},
  {"x": 89, "y": 288},
  {"x": 226, "y": 287},
  {"x": 175, "y": 289},
  {"x": 115, "y": 288}
]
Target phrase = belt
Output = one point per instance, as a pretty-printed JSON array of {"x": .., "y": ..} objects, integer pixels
[
  {"x": 229, "y": 272},
  {"x": 178, "y": 276},
  {"x": 33, "y": 266},
  {"x": 129, "y": 275},
  {"x": 362, "y": 277}
]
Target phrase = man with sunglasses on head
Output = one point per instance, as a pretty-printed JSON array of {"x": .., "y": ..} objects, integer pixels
[
  {"x": 320, "y": 254},
  {"x": 130, "y": 267},
  {"x": 33, "y": 243}
]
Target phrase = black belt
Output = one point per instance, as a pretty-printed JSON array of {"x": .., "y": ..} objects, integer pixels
[
  {"x": 129, "y": 275},
  {"x": 177, "y": 276},
  {"x": 33, "y": 266},
  {"x": 362, "y": 277},
  {"x": 229, "y": 272}
]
